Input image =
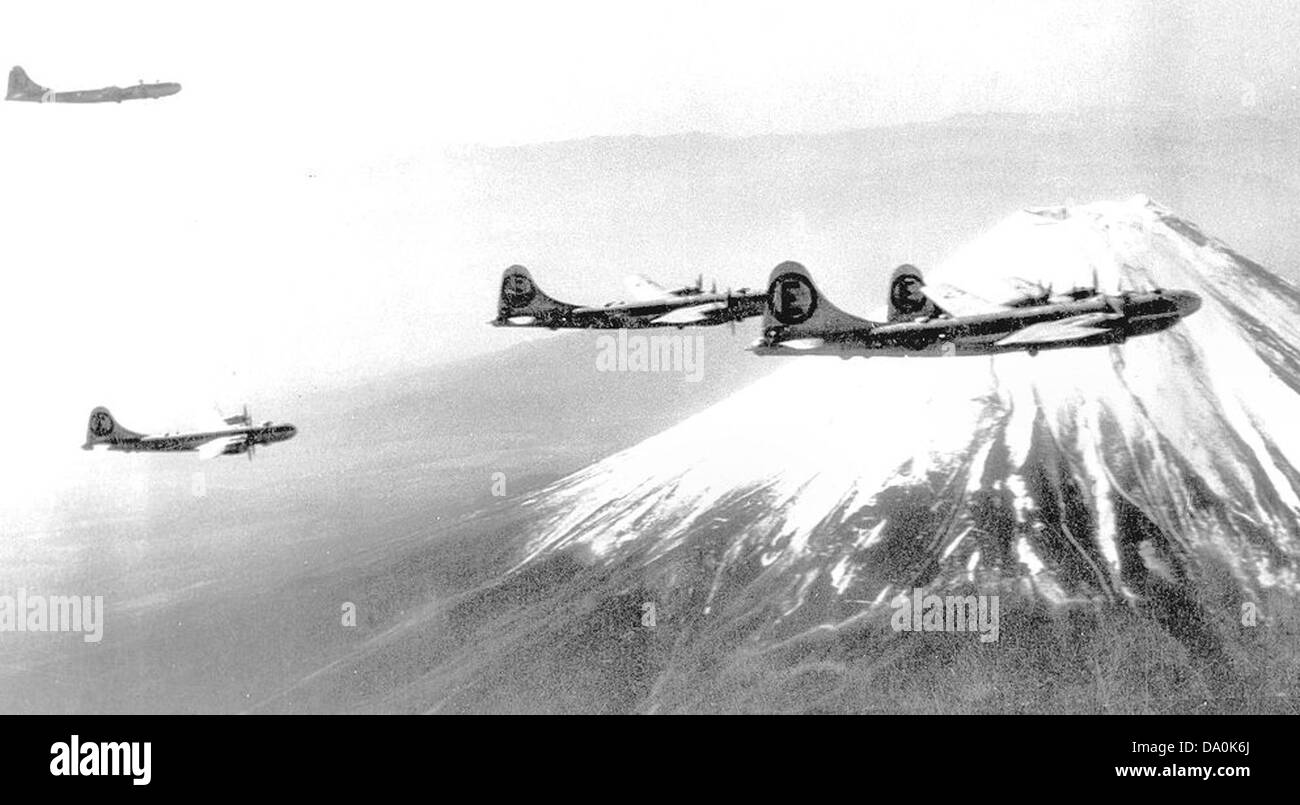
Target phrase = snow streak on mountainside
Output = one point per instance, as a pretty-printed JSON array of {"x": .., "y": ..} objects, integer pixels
[{"x": 1078, "y": 475}]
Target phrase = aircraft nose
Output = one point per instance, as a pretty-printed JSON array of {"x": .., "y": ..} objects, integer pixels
[{"x": 1188, "y": 302}]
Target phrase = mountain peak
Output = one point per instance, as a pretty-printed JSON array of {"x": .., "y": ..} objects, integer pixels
[
  {"x": 1082, "y": 475},
  {"x": 1125, "y": 519}
]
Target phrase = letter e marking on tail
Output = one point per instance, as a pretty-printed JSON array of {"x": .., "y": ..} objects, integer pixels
[{"x": 793, "y": 301}]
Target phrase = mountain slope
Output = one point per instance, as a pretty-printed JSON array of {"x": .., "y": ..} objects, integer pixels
[
  {"x": 1128, "y": 506},
  {"x": 1041, "y": 468}
]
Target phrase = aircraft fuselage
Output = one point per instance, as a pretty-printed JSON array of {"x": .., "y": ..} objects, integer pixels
[
  {"x": 637, "y": 315},
  {"x": 181, "y": 442},
  {"x": 1113, "y": 318},
  {"x": 107, "y": 94}
]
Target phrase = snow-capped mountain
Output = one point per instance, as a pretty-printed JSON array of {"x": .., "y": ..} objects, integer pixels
[
  {"x": 1134, "y": 509},
  {"x": 826, "y": 489}
]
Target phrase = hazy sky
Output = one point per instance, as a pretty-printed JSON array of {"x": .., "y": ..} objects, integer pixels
[
  {"x": 520, "y": 72},
  {"x": 263, "y": 232}
]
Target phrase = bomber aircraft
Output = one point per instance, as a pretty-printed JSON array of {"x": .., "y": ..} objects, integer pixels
[
  {"x": 22, "y": 88},
  {"x": 523, "y": 304},
  {"x": 942, "y": 320},
  {"x": 103, "y": 430}
]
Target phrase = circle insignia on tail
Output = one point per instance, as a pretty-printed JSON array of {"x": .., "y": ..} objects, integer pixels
[
  {"x": 518, "y": 290},
  {"x": 792, "y": 298},
  {"x": 101, "y": 424},
  {"x": 905, "y": 294}
]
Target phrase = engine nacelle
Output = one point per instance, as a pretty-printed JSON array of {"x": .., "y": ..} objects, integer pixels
[{"x": 906, "y": 301}]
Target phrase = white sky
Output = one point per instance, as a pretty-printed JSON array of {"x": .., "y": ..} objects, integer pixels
[{"x": 257, "y": 234}]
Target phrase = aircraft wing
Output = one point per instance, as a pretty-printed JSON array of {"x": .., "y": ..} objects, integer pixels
[
  {"x": 691, "y": 314},
  {"x": 1027, "y": 291},
  {"x": 1050, "y": 332},
  {"x": 957, "y": 302},
  {"x": 217, "y": 446},
  {"x": 1025, "y": 287},
  {"x": 641, "y": 288}
]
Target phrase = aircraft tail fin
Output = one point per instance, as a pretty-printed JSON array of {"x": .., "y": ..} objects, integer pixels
[
  {"x": 906, "y": 299},
  {"x": 102, "y": 428},
  {"x": 523, "y": 303},
  {"x": 796, "y": 309},
  {"x": 22, "y": 88}
]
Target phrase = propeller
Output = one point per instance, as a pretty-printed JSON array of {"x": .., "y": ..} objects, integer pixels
[
  {"x": 248, "y": 422},
  {"x": 246, "y": 419},
  {"x": 1113, "y": 301},
  {"x": 252, "y": 445}
]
